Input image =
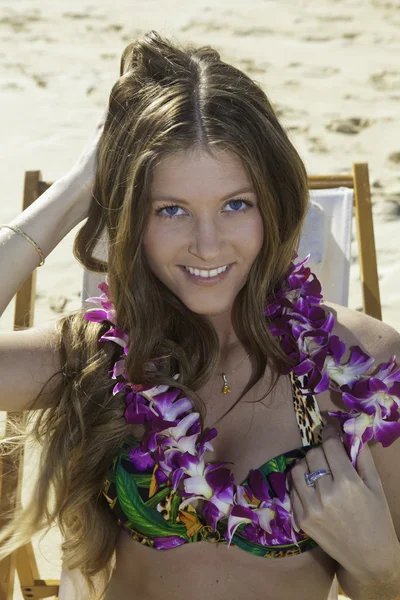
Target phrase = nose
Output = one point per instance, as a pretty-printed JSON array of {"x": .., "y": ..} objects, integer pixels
[{"x": 207, "y": 241}]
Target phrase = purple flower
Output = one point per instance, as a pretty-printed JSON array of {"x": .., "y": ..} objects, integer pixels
[
  {"x": 210, "y": 482},
  {"x": 268, "y": 519},
  {"x": 348, "y": 373},
  {"x": 137, "y": 409},
  {"x": 166, "y": 406},
  {"x": 239, "y": 515},
  {"x": 141, "y": 459},
  {"x": 375, "y": 403},
  {"x": 168, "y": 542},
  {"x": 117, "y": 335},
  {"x": 107, "y": 313},
  {"x": 295, "y": 286},
  {"x": 204, "y": 442},
  {"x": 360, "y": 427},
  {"x": 175, "y": 437}
]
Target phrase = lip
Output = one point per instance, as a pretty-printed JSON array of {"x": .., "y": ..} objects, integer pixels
[
  {"x": 207, "y": 281},
  {"x": 208, "y": 269}
]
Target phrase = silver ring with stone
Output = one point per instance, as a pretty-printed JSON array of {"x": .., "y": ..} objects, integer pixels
[{"x": 311, "y": 478}]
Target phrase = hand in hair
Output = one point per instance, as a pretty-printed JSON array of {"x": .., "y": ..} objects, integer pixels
[{"x": 82, "y": 174}]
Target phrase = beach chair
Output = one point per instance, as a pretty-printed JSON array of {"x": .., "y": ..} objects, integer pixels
[{"x": 326, "y": 234}]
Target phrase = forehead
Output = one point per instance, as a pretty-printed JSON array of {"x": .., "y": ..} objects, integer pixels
[{"x": 188, "y": 174}]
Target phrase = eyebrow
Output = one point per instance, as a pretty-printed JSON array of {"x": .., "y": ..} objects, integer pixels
[{"x": 243, "y": 190}]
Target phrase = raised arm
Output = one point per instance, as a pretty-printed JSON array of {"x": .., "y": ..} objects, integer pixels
[{"x": 29, "y": 358}]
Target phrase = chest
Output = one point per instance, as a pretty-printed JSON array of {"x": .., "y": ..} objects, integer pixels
[
  {"x": 262, "y": 425},
  {"x": 257, "y": 424}
]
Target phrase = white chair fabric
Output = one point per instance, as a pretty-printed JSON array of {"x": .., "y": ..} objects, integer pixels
[
  {"x": 72, "y": 586},
  {"x": 326, "y": 237}
]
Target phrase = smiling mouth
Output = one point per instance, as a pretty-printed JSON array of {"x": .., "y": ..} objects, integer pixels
[
  {"x": 207, "y": 279},
  {"x": 206, "y": 269}
]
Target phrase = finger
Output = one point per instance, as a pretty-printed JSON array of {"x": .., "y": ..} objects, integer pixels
[
  {"x": 331, "y": 422},
  {"x": 336, "y": 454},
  {"x": 299, "y": 484},
  {"x": 366, "y": 468},
  {"x": 316, "y": 460},
  {"x": 297, "y": 508}
]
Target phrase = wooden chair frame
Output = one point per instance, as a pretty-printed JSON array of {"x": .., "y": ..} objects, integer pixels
[{"x": 23, "y": 560}]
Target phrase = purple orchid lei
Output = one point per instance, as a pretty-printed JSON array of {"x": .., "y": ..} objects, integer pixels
[{"x": 175, "y": 445}]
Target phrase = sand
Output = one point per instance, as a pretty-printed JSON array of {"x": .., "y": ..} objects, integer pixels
[{"x": 331, "y": 70}]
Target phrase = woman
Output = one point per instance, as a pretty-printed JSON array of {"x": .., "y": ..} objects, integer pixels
[{"x": 194, "y": 171}]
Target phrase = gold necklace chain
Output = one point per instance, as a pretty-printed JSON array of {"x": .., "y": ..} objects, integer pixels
[{"x": 226, "y": 389}]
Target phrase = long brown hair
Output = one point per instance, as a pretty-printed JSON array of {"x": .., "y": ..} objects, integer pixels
[{"x": 167, "y": 99}]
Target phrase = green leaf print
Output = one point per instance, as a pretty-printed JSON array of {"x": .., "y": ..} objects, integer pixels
[
  {"x": 260, "y": 550},
  {"x": 110, "y": 476},
  {"x": 291, "y": 459},
  {"x": 158, "y": 497},
  {"x": 146, "y": 520},
  {"x": 248, "y": 546},
  {"x": 141, "y": 479},
  {"x": 176, "y": 500},
  {"x": 275, "y": 465}
]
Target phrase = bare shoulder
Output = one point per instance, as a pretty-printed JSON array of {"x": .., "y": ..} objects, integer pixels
[{"x": 354, "y": 328}]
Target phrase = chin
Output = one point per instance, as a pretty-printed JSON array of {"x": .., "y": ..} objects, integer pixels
[{"x": 212, "y": 306}]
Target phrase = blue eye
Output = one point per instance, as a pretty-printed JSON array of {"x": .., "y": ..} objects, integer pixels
[{"x": 236, "y": 201}]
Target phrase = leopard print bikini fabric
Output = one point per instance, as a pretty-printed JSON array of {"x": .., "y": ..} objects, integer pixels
[{"x": 307, "y": 412}]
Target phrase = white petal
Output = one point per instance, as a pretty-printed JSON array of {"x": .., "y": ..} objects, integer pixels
[
  {"x": 183, "y": 426},
  {"x": 265, "y": 515},
  {"x": 234, "y": 523},
  {"x": 358, "y": 424},
  {"x": 199, "y": 486},
  {"x": 223, "y": 507}
]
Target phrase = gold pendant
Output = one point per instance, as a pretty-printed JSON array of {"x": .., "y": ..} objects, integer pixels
[{"x": 226, "y": 388}]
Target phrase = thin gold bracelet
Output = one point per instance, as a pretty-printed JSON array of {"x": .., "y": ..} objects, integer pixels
[{"x": 18, "y": 230}]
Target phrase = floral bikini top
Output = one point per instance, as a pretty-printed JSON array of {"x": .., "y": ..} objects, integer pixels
[{"x": 150, "y": 512}]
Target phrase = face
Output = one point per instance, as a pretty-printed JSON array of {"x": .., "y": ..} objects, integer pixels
[{"x": 212, "y": 219}]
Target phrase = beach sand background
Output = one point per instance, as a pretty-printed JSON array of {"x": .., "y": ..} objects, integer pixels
[{"x": 329, "y": 67}]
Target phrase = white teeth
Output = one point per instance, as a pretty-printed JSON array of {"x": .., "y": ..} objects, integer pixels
[{"x": 206, "y": 274}]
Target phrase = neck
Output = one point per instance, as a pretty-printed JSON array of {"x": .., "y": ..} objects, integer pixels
[{"x": 233, "y": 357}]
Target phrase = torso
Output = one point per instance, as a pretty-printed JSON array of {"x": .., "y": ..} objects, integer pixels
[{"x": 248, "y": 436}]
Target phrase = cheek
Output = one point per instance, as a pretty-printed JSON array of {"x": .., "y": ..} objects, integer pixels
[
  {"x": 253, "y": 234},
  {"x": 161, "y": 248},
  {"x": 159, "y": 243}
]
